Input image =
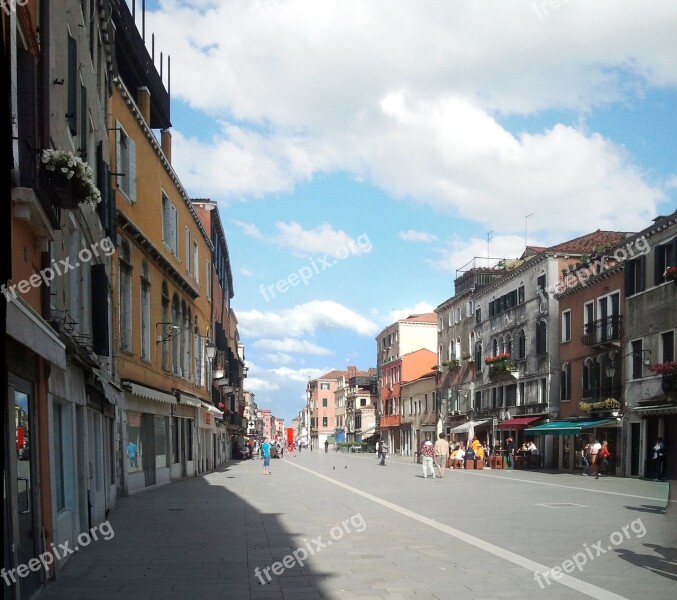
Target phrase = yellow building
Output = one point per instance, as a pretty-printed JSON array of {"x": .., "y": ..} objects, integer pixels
[{"x": 163, "y": 295}]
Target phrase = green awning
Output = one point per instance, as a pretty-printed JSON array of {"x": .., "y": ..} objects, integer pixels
[{"x": 567, "y": 427}]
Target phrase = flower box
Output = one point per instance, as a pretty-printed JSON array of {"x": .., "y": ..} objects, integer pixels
[{"x": 70, "y": 179}]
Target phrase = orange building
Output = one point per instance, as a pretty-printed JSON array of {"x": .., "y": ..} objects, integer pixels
[{"x": 163, "y": 291}]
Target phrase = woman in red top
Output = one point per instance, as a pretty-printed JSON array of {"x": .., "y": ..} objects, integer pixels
[{"x": 602, "y": 459}]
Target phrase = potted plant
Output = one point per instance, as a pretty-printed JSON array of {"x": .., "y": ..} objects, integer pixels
[
  {"x": 668, "y": 372},
  {"x": 71, "y": 179},
  {"x": 466, "y": 356}
]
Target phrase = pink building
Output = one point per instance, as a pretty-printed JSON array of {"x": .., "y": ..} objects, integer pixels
[{"x": 267, "y": 422}]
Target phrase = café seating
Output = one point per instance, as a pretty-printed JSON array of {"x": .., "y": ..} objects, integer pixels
[
  {"x": 479, "y": 463},
  {"x": 469, "y": 464}
]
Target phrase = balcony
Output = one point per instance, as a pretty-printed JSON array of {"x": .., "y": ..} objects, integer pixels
[
  {"x": 604, "y": 331},
  {"x": 601, "y": 393},
  {"x": 669, "y": 382},
  {"x": 391, "y": 420}
]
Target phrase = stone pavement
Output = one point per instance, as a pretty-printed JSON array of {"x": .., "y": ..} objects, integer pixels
[{"x": 380, "y": 532}]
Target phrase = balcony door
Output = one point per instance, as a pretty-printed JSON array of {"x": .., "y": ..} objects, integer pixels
[{"x": 609, "y": 310}]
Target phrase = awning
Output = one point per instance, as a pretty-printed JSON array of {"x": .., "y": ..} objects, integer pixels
[
  {"x": 150, "y": 393},
  {"x": 655, "y": 410},
  {"x": 340, "y": 435},
  {"x": 189, "y": 400},
  {"x": 568, "y": 427},
  {"x": 517, "y": 423},
  {"x": 465, "y": 428},
  {"x": 212, "y": 409},
  {"x": 30, "y": 329},
  {"x": 111, "y": 391}
]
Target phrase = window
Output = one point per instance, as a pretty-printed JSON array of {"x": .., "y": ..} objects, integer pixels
[
  {"x": 635, "y": 276},
  {"x": 324, "y": 421},
  {"x": 521, "y": 344},
  {"x": 324, "y": 403},
  {"x": 324, "y": 386},
  {"x": 668, "y": 346},
  {"x": 637, "y": 358},
  {"x": 58, "y": 451},
  {"x": 520, "y": 294},
  {"x": 588, "y": 317},
  {"x": 145, "y": 312},
  {"x": 134, "y": 447},
  {"x": 566, "y": 326},
  {"x": 540, "y": 284},
  {"x": 478, "y": 356},
  {"x": 176, "y": 339},
  {"x": 196, "y": 261},
  {"x": 478, "y": 314},
  {"x": 565, "y": 382},
  {"x": 161, "y": 439},
  {"x": 165, "y": 319},
  {"x": 541, "y": 337},
  {"x": 170, "y": 225},
  {"x": 125, "y": 298},
  {"x": 84, "y": 129},
  {"x": 665, "y": 256},
  {"x": 208, "y": 279},
  {"x": 200, "y": 374},
  {"x": 72, "y": 91},
  {"x": 189, "y": 250},
  {"x": 125, "y": 154}
]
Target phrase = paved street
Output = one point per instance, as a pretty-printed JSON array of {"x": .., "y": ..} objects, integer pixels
[{"x": 382, "y": 532}]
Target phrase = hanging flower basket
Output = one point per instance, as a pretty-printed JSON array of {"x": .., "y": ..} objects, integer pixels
[{"x": 71, "y": 180}]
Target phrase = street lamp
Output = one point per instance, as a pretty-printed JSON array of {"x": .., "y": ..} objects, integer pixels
[{"x": 210, "y": 350}]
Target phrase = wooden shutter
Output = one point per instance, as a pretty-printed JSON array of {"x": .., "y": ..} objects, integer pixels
[{"x": 99, "y": 283}]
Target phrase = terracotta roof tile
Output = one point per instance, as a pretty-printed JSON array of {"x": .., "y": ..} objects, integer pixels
[
  {"x": 423, "y": 318},
  {"x": 586, "y": 243}
]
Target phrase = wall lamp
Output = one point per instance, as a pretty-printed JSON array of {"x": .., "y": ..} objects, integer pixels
[{"x": 611, "y": 370}]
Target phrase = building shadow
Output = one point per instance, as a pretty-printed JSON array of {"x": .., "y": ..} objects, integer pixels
[{"x": 193, "y": 538}]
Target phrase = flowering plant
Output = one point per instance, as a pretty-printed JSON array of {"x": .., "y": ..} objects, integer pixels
[
  {"x": 73, "y": 167},
  {"x": 666, "y": 368},
  {"x": 490, "y": 360},
  {"x": 670, "y": 274}
]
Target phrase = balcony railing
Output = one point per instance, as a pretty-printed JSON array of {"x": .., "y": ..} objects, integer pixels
[
  {"x": 603, "y": 331},
  {"x": 601, "y": 393},
  {"x": 669, "y": 382}
]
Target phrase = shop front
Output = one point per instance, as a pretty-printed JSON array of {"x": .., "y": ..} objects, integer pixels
[
  {"x": 146, "y": 436},
  {"x": 566, "y": 440}
]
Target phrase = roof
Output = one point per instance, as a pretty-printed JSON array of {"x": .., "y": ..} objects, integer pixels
[
  {"x": 336, "y": 373},
  {"x": 422, "y": 318},
  {"x": 586, "y": 243}
]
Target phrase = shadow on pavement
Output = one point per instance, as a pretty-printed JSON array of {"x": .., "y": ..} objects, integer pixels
[
  {"x": 193, "y": 538},
  {"x": 664, "y": 564}
]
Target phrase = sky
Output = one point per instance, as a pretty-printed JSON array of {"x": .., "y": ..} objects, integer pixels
[{"x": 362, "y": 151}]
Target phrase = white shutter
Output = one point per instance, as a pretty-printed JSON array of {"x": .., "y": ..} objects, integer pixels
[
  {"x": 173, "y": 229},
  {"x": 196, "y": 262},
  {"x": 131, "y": 169},
  {"x": 188, "y": 248}
]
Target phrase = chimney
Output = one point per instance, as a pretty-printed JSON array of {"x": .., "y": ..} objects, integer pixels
[
  {"x": 143, "y": 102},
  {"x": 166, "y": 143},
  {"x": 352, "y": 371}
]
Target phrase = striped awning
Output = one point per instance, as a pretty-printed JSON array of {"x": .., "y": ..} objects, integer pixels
[{"x": 149, "y": 393}]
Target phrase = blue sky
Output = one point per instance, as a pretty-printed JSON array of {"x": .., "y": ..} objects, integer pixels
[{"x": 399, "y": 134}]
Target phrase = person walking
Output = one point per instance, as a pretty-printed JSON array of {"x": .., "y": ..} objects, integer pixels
[
  {"x": 510, "y": 449},
  {"x": 427, "y": 457},
  {"x": 594, "y": 451},
  {"x": 659, "y": 459},
  {"x": 603, "y": 460},
  {"x": 585, "y": 453},
  {"x": 441, "y": 453},
  {"x": 326, "y": 446},
  {"x": 265, "y": 452}
]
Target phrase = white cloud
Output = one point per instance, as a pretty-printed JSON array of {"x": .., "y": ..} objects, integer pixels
[
  {"x": 298, "y": 375},
  {"x": 249, "y": 229},
  {"x": 257, "y": 384},
  {"x": 402, "y": 313},
  {"x": 324, "y": 239},
  {"x": 465, "y": 253},
  {"x": 246, "y": 272},
  {"x": 417, "y": 236},
  {"x": 292, "y": 345},
  {"x": 279, "y": 358},
  {"x": 304, "y": 319}
]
